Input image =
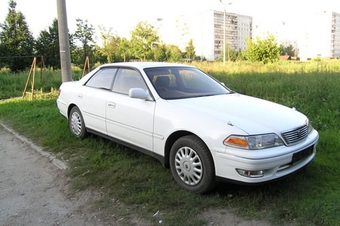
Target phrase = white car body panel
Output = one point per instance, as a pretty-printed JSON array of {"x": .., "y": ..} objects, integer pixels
[
  {"x": 149, "y": 123},
  {"x": 130, "y": 120},
  {"x": 94, "y": 114},
  {"x": 258, "y": 116}
]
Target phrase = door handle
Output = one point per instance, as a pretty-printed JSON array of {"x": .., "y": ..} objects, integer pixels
[{"x": 111, "y": 105}]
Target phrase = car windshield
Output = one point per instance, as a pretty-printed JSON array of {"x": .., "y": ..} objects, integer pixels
[{"x": 183, "y": 82}]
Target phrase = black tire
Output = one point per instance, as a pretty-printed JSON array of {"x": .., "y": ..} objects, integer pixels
[
  {"x": 192, "y": 165},
  {"x": 76, "y": 123}
]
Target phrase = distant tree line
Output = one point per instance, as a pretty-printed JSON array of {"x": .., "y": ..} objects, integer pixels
[{"x": 18, "y": 46}]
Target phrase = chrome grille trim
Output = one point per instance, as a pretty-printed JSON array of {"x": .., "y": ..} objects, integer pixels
[{"x": 295, "y": 136}]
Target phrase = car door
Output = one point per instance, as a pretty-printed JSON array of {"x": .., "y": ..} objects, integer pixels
[
  {"x": 129, "y": 119},
  {"x": 92, "y": 99}
]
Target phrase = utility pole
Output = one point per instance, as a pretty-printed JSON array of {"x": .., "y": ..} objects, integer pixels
[
  {"x": 64, "y": 44},
  {"x": 224, "y": 30}
]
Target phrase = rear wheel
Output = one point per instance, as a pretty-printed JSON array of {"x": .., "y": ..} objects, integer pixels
[
  {"x": 192, "y": 165},
  {"x": 76, "y": 123}
]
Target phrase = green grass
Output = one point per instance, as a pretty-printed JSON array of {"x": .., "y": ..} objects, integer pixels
[
  {"x": 310, "y": 197},
  {"x": 14, "y": 84}
]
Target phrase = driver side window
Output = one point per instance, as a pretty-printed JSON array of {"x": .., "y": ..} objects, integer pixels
[{"x": 126, "y": 79}]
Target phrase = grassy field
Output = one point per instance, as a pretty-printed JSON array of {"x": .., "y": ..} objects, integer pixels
[
  {"x": 13, "y": 85},
  {"x": 310, "y": 197}
]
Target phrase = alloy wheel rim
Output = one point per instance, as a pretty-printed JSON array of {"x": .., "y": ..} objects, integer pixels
[
  {"x": 188, "y": 166},
  {"x": 76, "y": 123}
]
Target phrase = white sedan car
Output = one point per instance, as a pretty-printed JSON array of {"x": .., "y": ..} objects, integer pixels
[{"x": 190, "y": 122}]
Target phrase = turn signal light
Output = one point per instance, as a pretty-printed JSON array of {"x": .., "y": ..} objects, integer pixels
[{"x": 236, "y": 141}]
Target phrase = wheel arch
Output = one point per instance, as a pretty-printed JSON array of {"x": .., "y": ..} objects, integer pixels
[
  {"x": 69, "y": 109},
  {"x": 171, "y": 140}
]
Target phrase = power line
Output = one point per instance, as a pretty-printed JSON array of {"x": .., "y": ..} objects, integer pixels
[{"x": 5, "y": 57}]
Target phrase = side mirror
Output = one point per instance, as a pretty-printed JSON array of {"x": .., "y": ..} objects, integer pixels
[{"x": 138, "y": 93}]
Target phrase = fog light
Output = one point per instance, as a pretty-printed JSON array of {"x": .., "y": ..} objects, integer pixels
[{"x": 249, "y": 173}]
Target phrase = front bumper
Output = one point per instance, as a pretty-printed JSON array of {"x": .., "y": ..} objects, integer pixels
[{"x": 267, "y": 162}]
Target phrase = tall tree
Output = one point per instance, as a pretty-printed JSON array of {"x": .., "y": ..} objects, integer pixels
[
  {"x": 173, "y": 53},
  {"x": 16, "y": 40},
  {"x": 231, "y": 54},
  {"x": 125, "y": 49},
  {"x": 288, "y": 50},
  {"x": 47, "y": 45},
  {"x": 84, "y": 34},
  {"x": 143, "y": 39},
  {"x": 190, "y": 51},
  {"x": 2, "y": 54},
  {"x": 114, "y": 48},
  {"x": 263, "y": 50},
  {"x": 159, "y": 53},
  {"x": 110, "y": 45}
]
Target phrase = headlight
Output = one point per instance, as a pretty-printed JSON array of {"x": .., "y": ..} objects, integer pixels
[
  {"x": 253, "y": 142},
  {"x": 309, "y": 126}
]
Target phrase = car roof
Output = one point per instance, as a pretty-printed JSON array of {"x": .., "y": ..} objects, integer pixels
[{"x": 142, "y": 65}]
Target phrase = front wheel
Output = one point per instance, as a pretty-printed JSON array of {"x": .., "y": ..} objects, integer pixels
[
  {"x": 192, "y": 165},
  {"x": 76, "y": 123}
]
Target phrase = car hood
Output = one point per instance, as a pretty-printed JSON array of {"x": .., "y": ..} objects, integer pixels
[{"x": 252, "y": 115}]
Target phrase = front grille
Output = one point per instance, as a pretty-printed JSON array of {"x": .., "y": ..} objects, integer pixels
[{"x": 295, "y": 136}]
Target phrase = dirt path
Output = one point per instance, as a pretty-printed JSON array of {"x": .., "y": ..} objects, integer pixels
[{"x": 34, "y": 192}]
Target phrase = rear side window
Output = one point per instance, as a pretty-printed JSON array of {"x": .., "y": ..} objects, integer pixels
[{"x": 102, "y": 79}]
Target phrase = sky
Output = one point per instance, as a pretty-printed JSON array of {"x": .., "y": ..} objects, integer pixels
[{"x": 123, "y": 15}]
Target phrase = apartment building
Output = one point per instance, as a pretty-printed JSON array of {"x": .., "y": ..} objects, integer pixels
[
  {"x": 206, "y": 30},
  {"x": 316, "y": 34},
  {"x": 321, "y": 38},
  {"x": 238, "y": 28},
  {"x": 335, "y": 33}
]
